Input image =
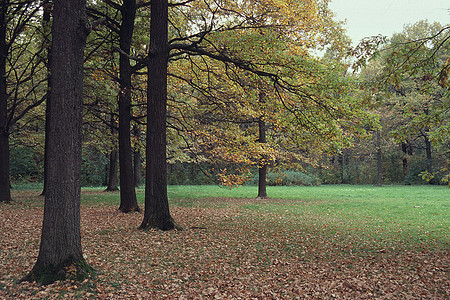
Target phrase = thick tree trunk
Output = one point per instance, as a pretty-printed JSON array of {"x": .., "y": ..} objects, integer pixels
[
  {"x": 262, "y": 182},
  {"x": 156, "y": 213},
  {"x": 262, "y": 169},
  {"x": 60, "y": 255},
  {"x": 47, "y": 117},
  {"x": 5, "y": 193},
  {"x": 128, "y": 200}
]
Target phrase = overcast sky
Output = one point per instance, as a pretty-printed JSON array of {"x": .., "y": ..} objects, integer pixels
[{"x": 373, "y": 17}]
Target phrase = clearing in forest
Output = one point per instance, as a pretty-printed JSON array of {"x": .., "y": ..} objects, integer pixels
[{"x": 351, "y": 247}]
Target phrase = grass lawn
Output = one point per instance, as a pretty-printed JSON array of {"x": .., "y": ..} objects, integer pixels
[
  {"x": 414, "y": 212},
  {"x": 336, "y": 241}
]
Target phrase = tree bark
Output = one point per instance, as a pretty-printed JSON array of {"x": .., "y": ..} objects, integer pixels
[
  {"x": 47, "y": 33},
  {"x": 262, "y": 169},
  {"x": 137, "y": 168},
  {"x": 112, "y": 172},
  {"x": 128, "y": 200},
  {"x": 60, "y": 254},
  {"x": 5, "y": 193},
  {"x": 112, "y": 181},
  {"x": 47, "y": 117},
  {"x": 262, "y": 182},
  {"x": 156, "y": 213},
  {"x": 137, "y": 158},
  {"x": 340, "y": 161}
]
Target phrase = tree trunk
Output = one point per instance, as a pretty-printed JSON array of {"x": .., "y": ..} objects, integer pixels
[
  {"x": 47, "y": 117},
  {"x": 112, "y": 172},
  {"x": 137, "y": 168},
  {"x": 340, "y": 161},
  {"x": 47, "y": 37},
  {"x": 379, "y": 170},
  {"x": 60, "y": 255},
  {"x": 5, "y": 193},
  {"x": 128, "y": 200},
  {"x": 262, "y": 169},
  {"x": 112, "y": 181},
  {"x": 156, "y": 213},
  {"x": 262, "y": 182},
  {"x": 137, "y": 158}
]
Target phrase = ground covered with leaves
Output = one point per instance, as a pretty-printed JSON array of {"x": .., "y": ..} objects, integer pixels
[{"x": 228, "y": 250}]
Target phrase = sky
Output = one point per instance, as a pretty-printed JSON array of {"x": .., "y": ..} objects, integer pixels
[{"x": 386, "y": 17}]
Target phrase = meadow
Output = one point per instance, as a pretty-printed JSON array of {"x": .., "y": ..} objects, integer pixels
[{"x": 329, "y": 241}]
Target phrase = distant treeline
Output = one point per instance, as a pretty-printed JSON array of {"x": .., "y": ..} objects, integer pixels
[{"x": 347, "y": 168}]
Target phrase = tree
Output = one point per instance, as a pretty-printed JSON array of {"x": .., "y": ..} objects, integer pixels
[
  {"x": 413, "y": 81},
  {"x": 124, "y": 29},
  {"x": 112, "y": 179},
  {"x": 128, "y": 200},
  {"x": 47, "y": 38},
  {"x": 275, "y": 52},
  {"x": 19, "y": 82},
  {"x": 137, "y": 160},
  {"x": 5, "y": 194},
  {"x": 156, "y": 212},
  {"x": 262, "y": 167},
  {"x": 60, "y": 254}
]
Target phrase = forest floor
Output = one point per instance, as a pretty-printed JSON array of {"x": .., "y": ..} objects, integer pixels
[{"x": 231, "y": 249}]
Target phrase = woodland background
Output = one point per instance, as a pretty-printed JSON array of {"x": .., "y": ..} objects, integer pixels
[{"x": 401, "y": 94}]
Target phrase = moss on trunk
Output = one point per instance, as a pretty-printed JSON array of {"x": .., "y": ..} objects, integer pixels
[{"x": 71, "y": 269}]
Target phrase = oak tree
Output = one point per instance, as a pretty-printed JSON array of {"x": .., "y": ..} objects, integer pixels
[{"x": 60, "y": 254}]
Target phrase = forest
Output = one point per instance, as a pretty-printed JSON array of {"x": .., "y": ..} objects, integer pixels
[
  {"x": 374, "y": 114},
  {"x": 135, "y": 96}
]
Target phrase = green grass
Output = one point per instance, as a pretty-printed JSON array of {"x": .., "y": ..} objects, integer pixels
[
  {"x": 416, "y": 213},
  {"x": 396, "y": 234},
  {"x": 412, "y": 214}
]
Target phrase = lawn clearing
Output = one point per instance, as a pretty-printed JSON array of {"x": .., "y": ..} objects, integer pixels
[{"x": 303, "y": 245}]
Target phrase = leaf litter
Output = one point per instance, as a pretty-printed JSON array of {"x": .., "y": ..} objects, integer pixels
[{"x": 224, "y": 252}]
